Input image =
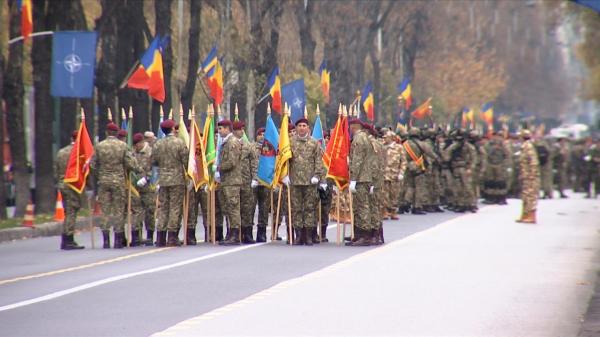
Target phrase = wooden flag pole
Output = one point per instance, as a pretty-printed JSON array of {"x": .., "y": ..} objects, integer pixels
[
  {"x": 91, "y": 222},
  {"x": 128, "y": 229},
  {"x": 289, "y": 202},
  {"x": 337, "y": 216},
  {"x": 271, "y": 213},
  {"x": 186, "y": 204},
  {"x": 319, "y": 228},
  {"x": 276, "y": 228},
  {"x": 351, "y": 215},
  {"x": 213, "y": 215}
]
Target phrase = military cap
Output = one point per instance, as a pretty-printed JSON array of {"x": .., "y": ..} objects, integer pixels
[
  {"x": 302, "y": 120},
  {"x": 168, "y": 124},
  {"x": 225, "y": 122},
  {"x": 260, "y": 130},
  {"x": 112, "y": 127},
  {"x": 238, "y": 125},
  {"x": 138, "y": 137},
  {"x": 525, "y": 133},
  {"x": 291, "y": 127},
  {"x": 414, "y": 132},
  {"x": 355, "y": 121},
  {"x": 149, "y": 134},
  {"x": 122, "y": 133}
]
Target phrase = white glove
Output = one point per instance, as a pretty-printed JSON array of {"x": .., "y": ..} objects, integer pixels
[
  {"x": 218, "y": 177},
  {"x": 400, "y": 177},
  {"x": 353, "y": 186},
  {"x": 142, "y": 182},
  {"x": 323, "y": 187},
  {"x": 314, "y": 180},
  {"x": 336, "y": 189},
  {"x": 254, "y": 183},
  {"x": 371, "y": 189},
  {"x": 587, "y": 158},
  {"x": 206, "y": 188},
  {"x": 509, "y": 170},
  {"x": 518, "y": 153},
  {"x": 157, "y": 187},
  {"x": 190, "y": 185},
  {"x": 286, "y": 180},
  {"x": 276, "y": 189}
]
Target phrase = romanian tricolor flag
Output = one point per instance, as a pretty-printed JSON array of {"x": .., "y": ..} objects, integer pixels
[
  {"x": 214, "y": 75},
  {"x": 149, "y": 74},
  {"x": 422, "y": 111},
  {"x": 274, "y": 86},
  {"x": 367, "y": 101},
  {"x": 468, "y": 117},
  {"x": 26, "y": 17},
  {"x": 405, "y": 91},
  {"x": 209, "y": 62},
  {"x": 78, "y": 166},
  {"x": 325, "y": 73},
  {"x": 487, "y": 113}
]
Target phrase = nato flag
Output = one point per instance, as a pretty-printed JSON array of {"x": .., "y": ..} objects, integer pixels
[
  {"x": 293, "y": 95},
  {"x": 73, "y": 63}
]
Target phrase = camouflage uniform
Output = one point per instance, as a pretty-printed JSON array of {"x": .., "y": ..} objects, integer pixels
[
  {"x": 545, "y": 160},
  {"x": 361, "y": 152},
  {"x": 594, "y": 167},
  {"x": 496, "y": 175},
  {"x": 580, "y": 167},
  {"x": 377, "y": 168},
  {"x": 249, "y": 167},
  {"x": 529, "y": 176},
  {"x": 71, "y": 199},
  {"x": 394, "y": 168},
  {"x": 170, "y": 154},
  {"x": 561, "y": 165},
  {"x": 461, "y": 155},
  {"x": 144, "y": 206},
  {"x": 416, "y": 191},
  {"x": 432, "y": 196},
  {"x": 515, "y": 186},
  {"x": 304, "y": 165},
  {"x": 479, "y": 169},
  {"x": 262, "y": 197},
  {"x": 230, "y": 171}
]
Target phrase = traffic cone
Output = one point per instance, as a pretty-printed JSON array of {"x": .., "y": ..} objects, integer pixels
[
  {"x": 28, "y": 219},
  {"x": 97, "y": 210},
  {"x": 59, "y": 213}
]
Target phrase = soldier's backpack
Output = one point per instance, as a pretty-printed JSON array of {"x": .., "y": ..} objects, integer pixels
[{"x": 543, "y": 154}]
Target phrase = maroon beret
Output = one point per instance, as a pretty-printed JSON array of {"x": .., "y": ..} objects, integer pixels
[
  {"x": 302, "y": 120},
  {"x": 260, "y": 130},
  {"x": 291, "y": 127},
  {"x": 138, "y": 137},
  {"x": 168, "y": 124},
  {"x": 225, "y": 122},
  {"x": 122, "y": 134},
  {"x": 238, "y": 125},
  {"x": 355, "y": 121},
  {"x": 112, "y": 127}
]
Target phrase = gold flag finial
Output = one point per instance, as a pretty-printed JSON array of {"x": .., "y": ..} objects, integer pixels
[
  {"x": 305, "y": 112},
  {"x": 190, "y": 114},
  {"x": 209, "y": 109},
  {"x": 236, "y": 111},
  {"x": 82, "y": 114},
  {"x": 344, "y": 111},
  {"x": 130, "y": 112},
  {"x": 110, "y": 119},
  {"x": 318, "y": 111},
  {"x": 123, "y": 114},
  {"x": 193, "y": 112},
  {"x": 269, "y": 108},
  {"x": 218, "y": 111},
  {"x": 340, "y": 109},
  {"x": 162, "y": 112},
  {"x": 171, "y": 113},
  {"x": 180, "y": 109}
]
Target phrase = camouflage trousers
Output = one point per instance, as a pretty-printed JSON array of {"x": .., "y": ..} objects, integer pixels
[
  {"x": 143, "y": 209},
  {"x": 402, "y": 202},
  {"x": 247, "y": 206},
  {"x": 447, "y": 187},
  {"x": 495, "y": 181},
  {"x": 546, "y": 178},
  {"x": 171, "y": 207},
  {"x": 529, "y": 194},
  {"x": 262, "y": 197},
  {"x": 432, "y": 178},
  {"x": 324, "y": 200},
  {"x": 562, "y": 179},
  {"x": 463, "y": 186},
  {"x": 197, "y": 202},
  {"x": 71, "y": 204},
  {"x": 303, "y": 201},
  {"x": 283, "y": 205},
  {"x": 111, "y": 199},
  {"x": 362, "y": 206},
  {"x": 391, "y": 195},
  {"x": 229, "y": 201},
  {"x": 416, "y": 190},
  {"x": 375, "y": 207}
]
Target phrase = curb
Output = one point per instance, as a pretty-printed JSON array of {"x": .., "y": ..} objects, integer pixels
[{"x": 41, "y": 230}]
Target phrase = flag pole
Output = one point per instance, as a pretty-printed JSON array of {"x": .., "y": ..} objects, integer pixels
[
  {"x": 319, "y": 229},
  {"x": 91, "y": 221},
  {"x": 289, "y": 202},
  {"x": 271, "y": 212},
  {"x": 276, "y": 228},
  {"x": 351, "y": 216},
  {"x": 337, "y": 215}
]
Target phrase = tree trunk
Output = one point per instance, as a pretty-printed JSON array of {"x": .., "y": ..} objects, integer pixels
[
  {"x": 187, "y": 95},
  {"x": 13, "y": 96},
  {"x": 163, "y": 28},
  {"x": 307, "y": 42},
  {"x": 2, "y": 175}
]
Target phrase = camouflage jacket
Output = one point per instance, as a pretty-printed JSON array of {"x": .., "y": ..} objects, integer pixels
[
  {"x": 249, "y": 163},
  {"x": 144, "y": 160},
  {"x": 112, "y": 160},
  {"x": 60, "y": 165},
  {"x": 417, "y": 149},
  {"x": 498, "y": 154},
  {"x": 395, "y": 161},
  {"x": 429, "y": 151},
  {"x": 306, "y": 161},
  {"x": 528, "y": 162},
  {"x": 230, "y": 158},
  {"x": 377, "y": 163},
  {"x": 171, "y": 156},
  {"x": 361, "y": 151},
  {"x": 461, "y": 155}
]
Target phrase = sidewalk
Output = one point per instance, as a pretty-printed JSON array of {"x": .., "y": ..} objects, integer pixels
[{"x": 39, "y": 230}]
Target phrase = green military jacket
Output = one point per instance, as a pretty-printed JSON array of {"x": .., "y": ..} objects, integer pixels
[
  {"x": 361, "y": 151},
  {"x": 170, "y": 154},
  {"x": 306, "y": 160},
  {"x": 144, "y": 160},
  {"x": 377, "y": 163},
  {"x": 230, "y": 158},
  {"x": 249, "y": 163},
  {"x": 60, "y": 165},
  {"x": 112, "y": 160}
]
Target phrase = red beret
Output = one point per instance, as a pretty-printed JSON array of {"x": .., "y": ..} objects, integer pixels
[
  {"x": 238, "y": 125},
  {"x": 112, "y": 127},
  {"x": 355, "y": 121},
  {"x": 291, "y": 127},
  {"x": 168, "y": 124},
  {"x": 138, "y": 137},
  {"x": 260, "y": 130},
  {"x": 302, "y": 120},
  {"x": 225, "y": 122},
  {"x": 122, "y": 133}
]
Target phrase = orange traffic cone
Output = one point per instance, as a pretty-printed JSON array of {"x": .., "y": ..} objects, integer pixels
[
  {"x": 97, "y": 210},
  {"x": 28, "y": 219},
  {"x": 59, "y": 213}
]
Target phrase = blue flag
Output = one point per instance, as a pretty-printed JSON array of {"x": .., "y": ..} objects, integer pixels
[
  {"x": 73, "y": 63},
  {"x": 268, "y": 153},
  {"x": 317, "y": 133},
  {"x": 293, "y": 95}
]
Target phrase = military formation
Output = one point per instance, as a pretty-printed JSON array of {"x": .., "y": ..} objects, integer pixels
[{"x": 392, "y": 172}]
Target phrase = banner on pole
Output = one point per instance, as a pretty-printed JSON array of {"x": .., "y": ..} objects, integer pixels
[{"x": 73, "y": 63}]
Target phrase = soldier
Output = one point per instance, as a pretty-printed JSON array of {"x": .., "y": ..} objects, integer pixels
[
  {"x": 229, "y": 177},
  {"x": 593, "y": 158},
  {"x": 461, "y": 156},
  {"x": 394, "y": 174},
  {"x": 480, "y": 164},
  {"x": 305, "y": 172},
  {"x": 561, "y": 164},
  {"x": 416, "y": 192},
  {"x": 110, "y": 163},
  {"x": 427, "y": 143},
  {"x": 71, "y": 199},
  {"x": 144, "y": 206},
  {"x": 529, "y": 177},
  {"x": 170, "y": 154},
  {"x": 377, "y": 168},
  {"x": 249, "y": 164},
  {"x": 149, "y": 138},
  {"x": 544, "y": 155},
  {"x": 403, "y": 204},
  {"x": 579, "y": 166},
  {"x": 361, "y": 151},
  {"x": 495, "y": 177},
  {"x": 262, "y": 194},
  {"x": 448, "y": 193}
]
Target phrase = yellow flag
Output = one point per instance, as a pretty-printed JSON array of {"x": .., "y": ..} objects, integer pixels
[
  {"x": 183, "y": 132},
  {"x": 284, "y": 154}
]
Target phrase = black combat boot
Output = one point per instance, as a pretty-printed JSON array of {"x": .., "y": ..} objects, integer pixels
[
  {"x": 502, "y": 200},
  {"x": 135, "y": 238},
  {"x": 233, "y": 239},
  {"x": 247, "y": 236},
  {"x": 106, "y": 238},
  {"x": 68, "y": 243},
  {"x": 362, "y": 238},
  {"x": 172, "y": 239},
  {"x": 308, "y": 235},
  {"x": 437, "y": 209},
  {"x": 119, "y": 240},
  {"x": 74, "y": 244},
  {"x": 324, "y": 233},
  {"x": 298, "y": 239},
  {"x": 219, "y": 234},
  {"x": 375, "y": 237},
  {"x": 191, "y": 236},
  {"x": 149, "y": 238},
  {"x": 418, "y": 211},
  {"x": 381, "y": 237},
  {"x": 315, "y": 235},
  {"x": 161, "y": 239},
  {"x": 261, "y": 234}
]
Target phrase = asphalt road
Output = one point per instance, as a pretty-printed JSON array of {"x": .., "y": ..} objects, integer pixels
[{"x": 438, "y": 275}]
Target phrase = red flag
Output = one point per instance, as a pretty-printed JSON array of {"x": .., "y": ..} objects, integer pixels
[
  {"x": 335, "y": 157},
  {"x": 78, "y": 166},
  {"x": 423, "y": 110},
  {"x": 26, "y": 18}
]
